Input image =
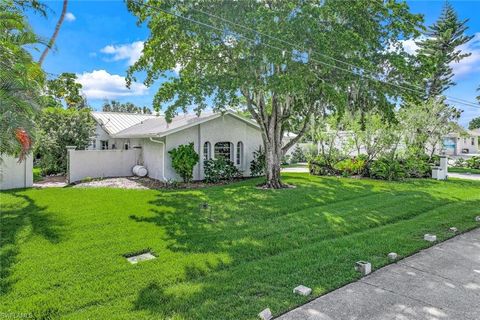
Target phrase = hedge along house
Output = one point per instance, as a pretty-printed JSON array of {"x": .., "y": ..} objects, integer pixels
[{"x": 124, "y": 140}]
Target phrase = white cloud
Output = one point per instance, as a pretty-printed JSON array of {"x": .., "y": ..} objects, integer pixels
[
  {"x": 471, "y": 63},
  {"x": 410, "y": 46},
  {"x": 70, "y": 17},
  {"x": 99, "y": 84},
  {"x": 130, "y": 51}
]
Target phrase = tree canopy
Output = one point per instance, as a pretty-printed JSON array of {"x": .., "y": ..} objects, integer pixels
[
  {"x": 66, "y": 90},
  {"x": 235, "y": 56},
  {"x": 474, "y": 123},
  {"x": 440, "y": 48},
  {"x": 127, "y": 107}
]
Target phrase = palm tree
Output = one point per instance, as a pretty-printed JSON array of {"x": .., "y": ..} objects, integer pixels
[
  {"x": 51, "y": 42},
  {"x": 21, "y": 83}
]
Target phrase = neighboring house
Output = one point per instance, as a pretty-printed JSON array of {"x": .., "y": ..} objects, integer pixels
[
  {"x": 456, "y": 144},
  {"x": 214, "y": 135}
]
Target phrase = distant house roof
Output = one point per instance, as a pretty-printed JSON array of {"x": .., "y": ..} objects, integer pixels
[
  {"x": 157, "y": 126},
  {"x": 472, "y": 133},
  {"x": 114, "y": 122}
]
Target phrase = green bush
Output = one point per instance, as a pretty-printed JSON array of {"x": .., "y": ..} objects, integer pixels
[
  {"x": 184, "y": 158},
  {"x": 319, "y": 166},
  {"x": 351, "y": 166},
  {"x": 57, "y": 129},
  {"x": 285, "y": 160},
  {"x": 220, "y": 169},
  {"x": 257, "y": 165},
  {"x": 298, "y": 155},
  {"x": 387, "y": 169},
  {"x": 473, "y": 163},
  {"x": 460, "y": 163},
  {"x": 418, "y": 167},
  {"x": 37, "y": 174}
]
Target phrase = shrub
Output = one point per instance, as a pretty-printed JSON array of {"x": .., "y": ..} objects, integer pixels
[
  {"x": 285, "y": 160},
  {"x": 57, "y": 129},
  {"x": 387, "y": 169},
  {"x": 184, "y": 158},
  {"x": 257, "y": 165},
  {"x": 298, "y": 155},
  {"x": 319, "y": 166},
  {"x": 418, "y": 167},
  {"x": 220, "y": 169},
  {"x": 473, "y": 162},
  {"x": 460, "y": 163},
  {"x": 350, "y": 167}
]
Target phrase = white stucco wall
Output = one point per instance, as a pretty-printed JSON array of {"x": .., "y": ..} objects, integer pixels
[
  {"x": 223, "y": 129},
  {"x": 101, "y": 163},
  {"x": 15, "y": 175},
  {"x": 152, "y": 154}
]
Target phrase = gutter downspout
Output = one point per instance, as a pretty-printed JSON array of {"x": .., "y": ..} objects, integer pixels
[{"x": 163, "y": 155}]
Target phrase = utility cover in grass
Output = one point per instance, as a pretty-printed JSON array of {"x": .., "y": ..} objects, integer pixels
[{"x": 141, "y": 257}]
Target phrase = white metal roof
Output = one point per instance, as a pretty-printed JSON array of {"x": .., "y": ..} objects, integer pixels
[
  {"x": 114, "y": 122},
  {"x": 158, "y": 126}
]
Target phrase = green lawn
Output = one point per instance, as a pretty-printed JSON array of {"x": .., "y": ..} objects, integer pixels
[
  {"x": 463, "y": 170},
  {"x": 61, "y": 249}
]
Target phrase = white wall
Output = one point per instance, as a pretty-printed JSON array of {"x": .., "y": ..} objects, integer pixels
[
  {"x": 153, "y": 158},
  {"x": 16, "y": 175},
  {"x": 222, "y": 129},
  {"x": 101, "y": 163}
]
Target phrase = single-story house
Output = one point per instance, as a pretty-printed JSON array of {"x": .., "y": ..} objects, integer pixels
[
  {"x": 462, "y": 144},
  {"x": 214, "y": 135}
]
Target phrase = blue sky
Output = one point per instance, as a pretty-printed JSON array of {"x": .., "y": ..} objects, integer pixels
[{"x": 99, "y": 39}]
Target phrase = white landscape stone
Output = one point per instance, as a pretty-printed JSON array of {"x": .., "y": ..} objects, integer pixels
[
  {"x": 477, "y": 218},
  {"x": 430, "y": 237},
  {"x": 141, "y": 257},
  {"x": 363, "y": 267},
  {"x": 453, "y": 229},
  {"x": 265, "y": 314},
  {"x": 302, "y": 290},
  {"x": 392, "y": 256}
]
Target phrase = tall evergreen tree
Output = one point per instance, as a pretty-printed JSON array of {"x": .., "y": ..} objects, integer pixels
[{"x": 439, "y": 49}]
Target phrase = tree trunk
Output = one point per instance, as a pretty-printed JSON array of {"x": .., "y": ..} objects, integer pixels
[
  {"x": 273, "y": 156},
  {"x": 51, "y": 42}
]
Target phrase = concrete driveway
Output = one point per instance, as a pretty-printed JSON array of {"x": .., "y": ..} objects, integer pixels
[{"x": 442, "y": 282}]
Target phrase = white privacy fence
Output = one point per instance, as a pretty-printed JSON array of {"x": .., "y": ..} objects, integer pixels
[
  {"x": 101, "y": 163},
  {"x": 15, "y": 175}
]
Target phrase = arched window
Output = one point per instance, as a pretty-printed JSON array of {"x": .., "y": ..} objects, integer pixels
[
  {"x": 223, "y": 150},
  {"x": 239, "y": 153},
  {"x": 207, "y": 153}
]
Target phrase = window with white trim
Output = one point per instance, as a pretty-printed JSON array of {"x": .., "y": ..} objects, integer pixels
[
  {"x": 104, "y": 144},
  {"x": 239, "y": 153},
  {"x": 207, "y": 151},
  {"x": 223, "y": 150}
]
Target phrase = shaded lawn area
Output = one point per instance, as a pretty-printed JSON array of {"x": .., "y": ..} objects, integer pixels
[{"x": 61, "y": 249}]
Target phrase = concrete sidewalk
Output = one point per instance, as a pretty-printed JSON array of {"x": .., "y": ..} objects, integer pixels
[
  {"x": 442, "y": 282},
  {"x": 464, "y": 176}
]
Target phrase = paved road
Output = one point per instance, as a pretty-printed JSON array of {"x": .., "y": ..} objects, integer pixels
[
  {"x": 442, "y": 282},
  {"x": 464, "y": 176}
]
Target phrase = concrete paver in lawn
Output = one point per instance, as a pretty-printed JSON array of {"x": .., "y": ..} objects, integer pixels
[{"x": 441, "y": 282}]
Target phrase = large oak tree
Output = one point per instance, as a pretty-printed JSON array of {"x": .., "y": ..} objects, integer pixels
[{"x": 228, "y": 53}]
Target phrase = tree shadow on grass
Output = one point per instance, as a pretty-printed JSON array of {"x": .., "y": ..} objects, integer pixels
[
  {"x": 14, "y": 218},
  {"x": 278, "y": 239}
]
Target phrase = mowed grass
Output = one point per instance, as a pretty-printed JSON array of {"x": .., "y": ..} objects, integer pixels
[{"x": 61, "y": 249}]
